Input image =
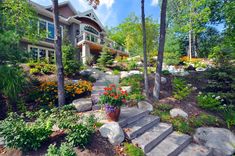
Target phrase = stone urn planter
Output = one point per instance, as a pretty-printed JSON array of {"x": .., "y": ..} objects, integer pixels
[{"x": 112, "y": 99}]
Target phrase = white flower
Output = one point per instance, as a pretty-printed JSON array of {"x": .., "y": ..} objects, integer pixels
[
  {"x": 213, "y": 95},
  {"x": 194, "y": 88},
  {"x": 189, "y": 85},
  {"x": 200, "y": 93},
  {"x": 224, "y": 105},
  {"x": 217, "y": 98},
  {"x": 222, "y": 100}
]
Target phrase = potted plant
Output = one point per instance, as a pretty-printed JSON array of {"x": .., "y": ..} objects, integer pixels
[{"x": 112, "y": 99}]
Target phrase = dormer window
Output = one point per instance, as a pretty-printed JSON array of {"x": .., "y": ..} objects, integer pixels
[{"x": 91, "y": 29}]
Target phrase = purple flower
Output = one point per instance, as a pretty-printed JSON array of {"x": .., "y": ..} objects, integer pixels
[{"x": 109, "y": 108}]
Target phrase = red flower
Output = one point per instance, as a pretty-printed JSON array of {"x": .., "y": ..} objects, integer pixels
[
  {"x": 112, "y": 85},
  {"x": 124, "y": 100},
  {"x": 105, "y": 93},
  {"x": 116, "y": 97}
]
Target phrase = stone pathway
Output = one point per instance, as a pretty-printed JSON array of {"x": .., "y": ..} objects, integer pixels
[{"x": 157, "y": 138}]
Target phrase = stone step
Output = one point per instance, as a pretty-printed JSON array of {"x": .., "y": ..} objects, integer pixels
[
  {"x": 196, "y": 150},
  {"x": 140, "y": 126},
  {"x": 172, "y": 145},
  {"x": 129, "y": 115},
  {"x": 153, "y": 136}
]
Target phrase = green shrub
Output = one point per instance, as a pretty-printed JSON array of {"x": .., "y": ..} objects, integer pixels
[
  {"x": 131, "y": 65},
  {"x": 132, "y": 150},
  {"x": 64, "y": 150},
  {"x": 166, "y": 72},
  {"x": 208, "y": 101},
  {"x": 204, "y": 119},
  {"x": 228, "y": 112},
  {"x": 171, "y": 58},
  {"x": 21, "y": 135},
  {"x": 105, "y": 59},
  {"x": 79, "y": 135},
  {"x": 72, "y": 67},
  {"x": 116, "y": 72},
  {"x": 164, "y": 115},
  {"x": 180, "y": 88},
  {"x": 164, "y": 107},
  {"x": 34, "y": 71}
]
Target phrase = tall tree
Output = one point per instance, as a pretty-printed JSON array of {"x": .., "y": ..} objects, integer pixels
[
  {"x": 59, "y": 64},
  {"x": 157, "y": 83},
  {"x": 146, "y": 87}
]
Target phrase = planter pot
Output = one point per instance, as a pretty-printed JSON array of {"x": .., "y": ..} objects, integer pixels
[{"x": 112, "y": 113}]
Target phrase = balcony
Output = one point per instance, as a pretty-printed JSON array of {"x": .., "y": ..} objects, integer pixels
[{"x": 97, "y": 42}]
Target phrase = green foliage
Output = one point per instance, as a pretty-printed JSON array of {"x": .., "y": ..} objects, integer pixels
[
  {"x": 34, "y": 71},
  {"x": 171, "y": 58},
  {"x": 135, "y": 82},
  {"x": 165, "y": 72},
  {"x": 22, "y": 135},
  {"x": 105, "y": 59},
  {"x": 132, "y": 150},
  {"x": 116, "y": 72},
  {"x": 204, "y": 119},
  {"x": 180, "y": 88},
  {"x": 71, "y": 64},
  {"x": 131, "y": 65},
  {"x": 79, "y": 135},
  {"x": 12, "y": 83},
  {"x": 40, "y": 68},
  {"x": 228, "y": 112},
  {"x": 208, "y": 101},
  {"x": 164, "y": 107},
  {"x": 181, "y": 125},
  {"x": 64, "y": 150}
]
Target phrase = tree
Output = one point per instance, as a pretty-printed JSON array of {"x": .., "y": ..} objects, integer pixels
[
  {"x": 157, "y": 83},
  {"x": 189, "y": 16},
  {"x": 59, "y": 64},
  {"x": 105, "y": 58},
  {"x": 144, "y": 49}
]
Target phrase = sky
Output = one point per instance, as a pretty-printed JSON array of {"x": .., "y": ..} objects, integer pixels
[{"x": 113, "y": 12}]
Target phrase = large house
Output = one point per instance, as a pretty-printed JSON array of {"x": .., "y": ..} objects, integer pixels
[{"x": 84, "y": 30}]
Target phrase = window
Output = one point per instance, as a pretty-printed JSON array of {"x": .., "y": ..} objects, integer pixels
[
  {"x": 41, "y": 53},
  {"x": 91, "y": 29},
  {"x": 51, "y": 31},
  {"x": 46, "y": 26},
  {"x": 42, "y": 26}
]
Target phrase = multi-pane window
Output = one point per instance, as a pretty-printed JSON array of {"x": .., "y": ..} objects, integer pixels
[
  {"x": 49, "y": 28},
  {"x": 41, "y": 53},
  {"x": 51, "y": 31}
]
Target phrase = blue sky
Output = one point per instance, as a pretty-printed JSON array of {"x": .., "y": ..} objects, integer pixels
[{"x": 113, "y": 12}]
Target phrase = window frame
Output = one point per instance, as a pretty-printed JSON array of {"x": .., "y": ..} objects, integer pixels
[{"x": 38, "y": 52}]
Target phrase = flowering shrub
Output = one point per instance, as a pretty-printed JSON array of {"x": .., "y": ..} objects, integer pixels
[
  {"x": 209, "y": 101},
  {"x": 113, "y": 97},
  {"x": 72, "y": 90}
]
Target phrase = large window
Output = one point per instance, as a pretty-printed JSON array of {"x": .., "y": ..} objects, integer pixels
[
  {"x": 49, "y": 28},
  {"x": 42, "y": 53}
]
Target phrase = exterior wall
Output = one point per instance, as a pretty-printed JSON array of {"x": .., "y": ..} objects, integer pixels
[
  {"x": 65, "y": 11},
  {"x": 73, "y": 32}
]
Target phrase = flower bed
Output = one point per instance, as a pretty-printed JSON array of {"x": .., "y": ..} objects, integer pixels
[{"x": 49, "y": 91}]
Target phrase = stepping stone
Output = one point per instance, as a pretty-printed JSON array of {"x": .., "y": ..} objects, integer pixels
[
  {"x": 153, "y": 136},
  {"x": 137, "y": 128},
  {"x": 196, "y": 150},
  {"x": 130, "y": 114},
  {"x": 172, "y": 145}
]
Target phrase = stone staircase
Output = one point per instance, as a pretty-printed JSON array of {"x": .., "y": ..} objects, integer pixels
[{"x": 156, "y": 138}]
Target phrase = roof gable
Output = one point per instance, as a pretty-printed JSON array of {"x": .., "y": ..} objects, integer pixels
[{"x": 91, "y": 14}]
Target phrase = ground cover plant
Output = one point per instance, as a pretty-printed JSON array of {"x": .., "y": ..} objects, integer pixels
[
  {"x": 37, "y": 68},
  {"x": 30, "y": 130},
  {"x": 135, "y": 82},
  {"x": 180, "y": 88}
]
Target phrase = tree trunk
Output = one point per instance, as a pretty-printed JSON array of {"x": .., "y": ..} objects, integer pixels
[
  {"x": 190, "y": 45},
  {"x": 146, "y": 88},
  {"x": 157, "y": 83},
  {"x": 59, "y": 64}
]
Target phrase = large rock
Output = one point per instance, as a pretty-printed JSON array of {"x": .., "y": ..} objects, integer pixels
[
  {"x": 113, "y": 132},
  {"x": 163, "y": 80},
  {"x": 144, "y": 105},
  {"x": 200, "y": 69},
  {"x": 86, "y": 72},
  {"x": 123, "y": 74},
  {"x": 83, "y": 104},
  {"x": 178, "y": 112},
  {"x": 220, "y": 140},
  {"x": 128, "y": 89},
  {"x": 140, "y": 64},
  {"x": 2, "y": 141},
  {"x": 134, "y": 72}
]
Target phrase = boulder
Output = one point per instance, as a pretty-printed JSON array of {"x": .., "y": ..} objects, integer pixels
[
  {"x": 113, "y": 132},
  {"x": 109, "y": 72},
  {"x": 123, "y": 74},
  {"x": 220, "y": 140},
  {"x": 200, "y": 69},
  {"x": 140, "y": 64},
  {"x": 2, "y": 141},
  {"x": 83, "y": 104},
  {"x": 128, "y": 89},
  {"x": 178, "y": 112},
  {"x": 163, "y": 80},
  {"x": 144, "y": 105},
  {"x": 85, "y": 72},
  {"x": 133, "y": 72}
]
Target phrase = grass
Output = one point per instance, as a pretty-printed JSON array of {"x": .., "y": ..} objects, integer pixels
[{"x": 132, "y": 150}]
